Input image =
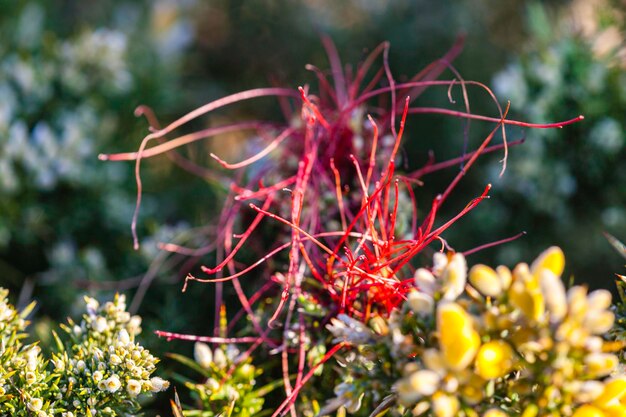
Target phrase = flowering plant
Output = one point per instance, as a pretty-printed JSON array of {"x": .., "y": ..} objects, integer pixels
[
  {"x": 342, "y": 276},
  {"x": 99, "y": 370}
]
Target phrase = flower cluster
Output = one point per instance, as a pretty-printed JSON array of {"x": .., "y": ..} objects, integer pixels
[
  {"x": 100, "y": 370},
  {"x": 498, "y": 343}
]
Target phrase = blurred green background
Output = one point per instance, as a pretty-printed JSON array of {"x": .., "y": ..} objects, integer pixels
[{"x": 71, "y": 74}]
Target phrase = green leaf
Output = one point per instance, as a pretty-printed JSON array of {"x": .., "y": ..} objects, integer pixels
[{"x": 618, "y": 245}]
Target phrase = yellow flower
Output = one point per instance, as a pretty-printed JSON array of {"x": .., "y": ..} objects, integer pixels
[
  {"x": 494, "y": 359},
  {"x": 458, "y": 340}
]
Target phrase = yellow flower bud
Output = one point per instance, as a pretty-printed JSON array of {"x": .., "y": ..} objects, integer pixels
[
  {"x": 458, "y": 340},
  {"x": 551, "y": 259},
  {"x": 494, "y": 359},
  {"x": 485, "y": 280}
]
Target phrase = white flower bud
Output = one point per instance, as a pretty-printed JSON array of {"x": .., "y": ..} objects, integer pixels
[
  {"x": 425, "y": 281},
  {"x": 219, "y": 358},
  {"x": 421, "y": 303},
  {"x": 203, "y": 355}
]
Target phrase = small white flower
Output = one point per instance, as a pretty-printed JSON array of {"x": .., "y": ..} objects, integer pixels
[
  {"x": 212, "y": 384},
  {"x": 347, "y": 329},
  {"x": 100, "y": 325},
  {"x": 113, "y": 383},
  {"x": 123, "y": 317},
  {"x": 115, "y": 360},
  {"x": 203, "y": 355},
  {"x": 123, "y": 337},
  {"x": 133, "y": 387},
  {"x": 97, "y": 376},
  {"x": 92, "y": 305},
  {"x": 134, "y": 324},
  {"x": 158, "y": 384},
  {"x": 30, "y": 377},
  {"x": 35, "y": 404},
  {"x": 31, "y": 356}
]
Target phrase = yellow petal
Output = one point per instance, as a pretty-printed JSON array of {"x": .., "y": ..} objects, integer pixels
[
  {"x": 551, "y": 259},
  {"x": 505, "y": 276},
  {"x": 529, "y": 300},
  {"x": 616, "y": 410},
  {"x": 485, "y": 280},
  {"x": 494, "y": 359},
  {"x": 599, "y": 322},
  {"x": 553, "y": 291},
  {"x": 588, "y": 411},
  {"x": 458, "y": 340},
  {"x": 614, "y": 392}
]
